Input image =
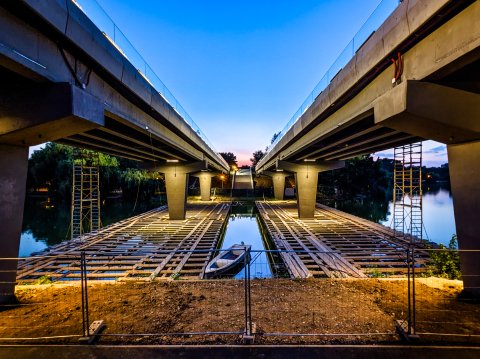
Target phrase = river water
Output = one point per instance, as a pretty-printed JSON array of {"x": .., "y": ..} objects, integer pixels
[
  {"x": 46, "y": 223},
  {"x": 243, "y": 226},
  {"x": 438, "y": 217}
]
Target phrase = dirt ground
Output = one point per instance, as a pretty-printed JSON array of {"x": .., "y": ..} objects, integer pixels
[{"x": 283, "y": 311}]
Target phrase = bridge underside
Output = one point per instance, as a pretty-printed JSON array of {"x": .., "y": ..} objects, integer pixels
[{"x": 362, "y": 111}]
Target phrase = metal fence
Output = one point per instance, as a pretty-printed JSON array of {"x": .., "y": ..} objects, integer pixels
[{"x": 261, "y": 302}]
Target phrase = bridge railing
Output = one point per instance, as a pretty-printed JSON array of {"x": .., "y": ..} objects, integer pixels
[
  {"x": 112, "y": 32},
  {"x": 379, "y": 15}
]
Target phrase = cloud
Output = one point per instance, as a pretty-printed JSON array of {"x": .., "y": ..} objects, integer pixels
[
  {"x": 384, "y": 154},
  {"x": 437, "y": 150}
]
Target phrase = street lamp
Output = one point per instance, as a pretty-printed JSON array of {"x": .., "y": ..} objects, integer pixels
[{"x": 222, "y": 177}]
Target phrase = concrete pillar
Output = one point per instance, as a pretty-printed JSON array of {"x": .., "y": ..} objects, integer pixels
[
  {"x": 13, "y": 177},
  {"x": 176, "y": 182},
  {"x": 278, "y": 179},
  {"x": 176, "y": 185},
  {"x": 306, "y": 179},
  {"x": 205, "y": 179},
  {"x": 464, "y": 165}
]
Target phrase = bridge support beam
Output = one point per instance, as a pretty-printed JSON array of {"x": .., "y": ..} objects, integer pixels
[
  {"x": 450, "y": 116},
  {"x": 306, "y": 179},
  {"x": 39, "y": 113},
  {"x": 464, "y": 162},
  {"x": 13, "y": 178},
  {"x": 176, "y": 182},
  {"x": 205, "y": 179}
]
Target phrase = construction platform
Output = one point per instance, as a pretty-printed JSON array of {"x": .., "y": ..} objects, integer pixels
[
  {"x": 334, "y": 243},
  {"x": 147, "y": 246}
]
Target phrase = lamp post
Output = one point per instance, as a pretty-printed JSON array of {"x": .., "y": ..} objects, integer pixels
[{"x": 222, "y": 178}]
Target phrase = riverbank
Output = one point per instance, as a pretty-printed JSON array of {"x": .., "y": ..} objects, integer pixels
[{"x": 344, "y": 310}]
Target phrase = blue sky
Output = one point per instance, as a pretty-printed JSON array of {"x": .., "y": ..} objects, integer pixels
[{"x": 241, "y": 68}]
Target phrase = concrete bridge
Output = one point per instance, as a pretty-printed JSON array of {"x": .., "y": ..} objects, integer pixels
[
  {"x": 64, "y": 80},
  {"x": 431, "y": 90}
]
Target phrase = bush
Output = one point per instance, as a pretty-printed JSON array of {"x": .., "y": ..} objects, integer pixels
[{"x": 446, "y": 261}]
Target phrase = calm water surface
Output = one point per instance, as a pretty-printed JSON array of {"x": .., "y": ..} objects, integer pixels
[
  {"x": 438, "y": 217},
  {"x": 243, "y": 227},
  {"x": 45, "y": 225}
]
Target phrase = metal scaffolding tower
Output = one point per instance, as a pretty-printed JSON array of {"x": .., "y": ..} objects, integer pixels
[
  {"x": 407, "y": 192},
  {"x": 85, "y": 211}
]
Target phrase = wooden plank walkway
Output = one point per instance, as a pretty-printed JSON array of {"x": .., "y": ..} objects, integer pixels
[
  {"x": 147, "y": 246},
  {"x": 334, "y": 243}
]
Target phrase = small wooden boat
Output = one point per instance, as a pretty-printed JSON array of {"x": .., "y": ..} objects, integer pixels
[{"x": 228, "y": 262}]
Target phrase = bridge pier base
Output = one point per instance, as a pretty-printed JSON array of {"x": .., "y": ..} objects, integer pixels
[
  {"x": 278, "y": 180},
  {"x": 464, "y": 163},
  {"x": 176, "y": 182},
  {"x": 205, "y": 179},
  {"x": 13, "y": 178},
  {"x": 306, "y": 180}
]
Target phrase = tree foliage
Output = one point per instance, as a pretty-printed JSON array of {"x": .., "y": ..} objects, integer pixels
[
  {"x": 445, "y": 261},
  {"x": 230, "y": 158},
  {"x": 257, "y": 156},
  {"x": 51, "y": 168},
  {"x": 274, "y": 137},
  {"x": 361, "y": 175}
]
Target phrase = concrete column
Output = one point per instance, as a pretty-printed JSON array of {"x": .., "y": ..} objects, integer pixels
[
  {"x": 464, "y": 164},
  {"x": 205, "y": 179},
  {"x": 306, "y": 179},
  {"x": 278, "y": 179},
  {"x": 176, "y": 186},
  {"x": 176, "y": 182},
  {"x": 13, "y": 177}
]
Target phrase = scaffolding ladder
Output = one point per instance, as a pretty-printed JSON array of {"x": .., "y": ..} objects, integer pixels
[
  {"x": 407, "y": 192},
  {"x": 85, "y": 210}
]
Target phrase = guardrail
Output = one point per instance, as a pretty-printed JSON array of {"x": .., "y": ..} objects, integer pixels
[
  {"x": 112, "y": 32},
  {"x": 378, "y": 16}
]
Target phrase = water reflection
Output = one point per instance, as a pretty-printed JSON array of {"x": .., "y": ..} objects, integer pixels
[
  {"x": 243, "y": 227},
  {"x": 46, "y": 223},
  {"x": 438, "y": 216}
]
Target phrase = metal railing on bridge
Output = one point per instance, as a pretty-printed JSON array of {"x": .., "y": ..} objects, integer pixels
[
  {"x": 112, "y": 32},
  {"x": 378, "y": 16}
]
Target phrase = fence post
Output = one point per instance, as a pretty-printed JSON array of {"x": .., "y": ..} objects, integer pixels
[
  {"x": 409, "y": 314},
  {"x": 409, "y": 333},
  {"x": 248, "y": 336},
  {"x": 414, "y": 324},
  {"x": 85, "y": 314}
]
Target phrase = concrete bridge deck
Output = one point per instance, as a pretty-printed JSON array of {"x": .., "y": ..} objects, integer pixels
[
  {"x": 335, "y": 244},
  {"x": 142, "y": 247}
]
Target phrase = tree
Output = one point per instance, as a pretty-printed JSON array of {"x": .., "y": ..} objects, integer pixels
[
  {"x": 257, "y": 156},
  {"x": 230, "y": 158},
  {"x": 274, "y": 137},
  {"x": 51, "y": 168}
]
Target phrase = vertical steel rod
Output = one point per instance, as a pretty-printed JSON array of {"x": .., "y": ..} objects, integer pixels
[
  {"x": 85, "y": 316},
  {"x": 414, "y": 324},
  {"x": 245, "y": 292},
  {"x": 409, "y": 318},
  {"x": 82, "y": 276}
]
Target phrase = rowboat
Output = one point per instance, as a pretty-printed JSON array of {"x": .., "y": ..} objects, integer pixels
[{"x": 228, "y": 262}]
